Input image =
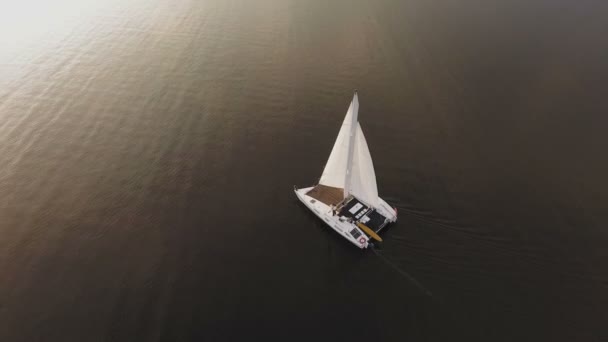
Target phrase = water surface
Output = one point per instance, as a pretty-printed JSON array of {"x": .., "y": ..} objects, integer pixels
[{"x": 148, "y": 151}]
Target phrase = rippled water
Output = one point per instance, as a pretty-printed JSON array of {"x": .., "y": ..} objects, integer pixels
[{"x": 148, "y": 151}]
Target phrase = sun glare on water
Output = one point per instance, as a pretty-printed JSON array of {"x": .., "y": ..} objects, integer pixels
[
  {"x": 29, "y": 22},
  {"x": 31, "y": 29}
]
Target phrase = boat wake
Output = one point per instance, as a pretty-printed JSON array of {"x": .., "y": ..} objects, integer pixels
[{"x": 402, "y": 272}]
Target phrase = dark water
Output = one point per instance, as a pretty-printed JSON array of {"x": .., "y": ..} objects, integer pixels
[{"x": 148, "y": 151}]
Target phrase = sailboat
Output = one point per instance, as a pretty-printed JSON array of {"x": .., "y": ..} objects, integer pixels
[{"x": 346, "y": 196}]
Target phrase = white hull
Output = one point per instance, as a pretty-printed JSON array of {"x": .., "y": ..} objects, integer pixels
[{"x": 341, "y": 225}]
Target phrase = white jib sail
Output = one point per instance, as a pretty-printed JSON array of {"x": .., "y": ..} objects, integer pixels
[
  {"x": 350, "y": 153},
  {"x": 334, "y": 173}
]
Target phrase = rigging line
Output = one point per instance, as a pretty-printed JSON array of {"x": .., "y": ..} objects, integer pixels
[{"x": 402, "y": 272}]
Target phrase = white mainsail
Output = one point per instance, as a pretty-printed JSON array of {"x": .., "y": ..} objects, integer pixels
[
  {"x": 350, "y": 165},
  {"x": 363, "y": 177}
]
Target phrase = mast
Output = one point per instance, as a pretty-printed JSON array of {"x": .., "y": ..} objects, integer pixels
[{"x": 351, "y": 144}]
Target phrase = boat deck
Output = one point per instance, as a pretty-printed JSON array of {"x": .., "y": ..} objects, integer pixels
[
  {"x": 350, "y": 207},
  {"x": 327, "y": 194},
  {"x": 359, "y": 212}
]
